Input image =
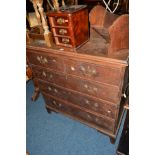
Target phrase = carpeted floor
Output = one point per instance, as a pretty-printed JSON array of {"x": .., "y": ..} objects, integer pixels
[{"x": 55, "y": 134}]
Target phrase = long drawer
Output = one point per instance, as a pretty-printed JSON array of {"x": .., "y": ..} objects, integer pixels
[
  {"x": 106, "y": 92},
  {"x": 96, "y": 105},
  {"x": 79, "y": 113},
  {"x": 44, "y": 60},
  {"x": 100, "y": 73}
]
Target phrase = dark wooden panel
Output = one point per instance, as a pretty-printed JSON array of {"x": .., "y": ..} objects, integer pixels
[
  {"x": 71, "y": 110},
  {"x": 96, "y": 105},
  {"x": 105, "y": 92},
  {"x": 45, "y": 60},
  {"x": 104, "y": 74}
]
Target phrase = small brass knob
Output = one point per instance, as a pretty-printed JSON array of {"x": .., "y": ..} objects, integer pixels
[
  {"x": 49, "y": 88},
  {"x": 96, "y": 105},
  {"x": 45, "y": 60},
  {"x": 72, "y": 68},
  {"x": 54, "y": 60},
  {"x": 54, "y": 102},
  {"x": 51, "y": 76},
  {"x": 60, "y": 21},
  {"x": 44, "y": 74},
  {"x": 55, "y": 90},
  {"x": 65, "y": 40},
  {"x": 38, "y": 58},
  {"x": 87, "y": 102},
  {"x": 109, "y": 111},
  {"x": 89, "y": 116},
  {"x": 62, "y": 31}
]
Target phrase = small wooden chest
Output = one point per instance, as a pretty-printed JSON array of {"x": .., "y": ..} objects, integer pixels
[{"x": 70, "y": 26}]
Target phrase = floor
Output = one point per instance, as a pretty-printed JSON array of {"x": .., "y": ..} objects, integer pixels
[{"x": 55, "y": 134}]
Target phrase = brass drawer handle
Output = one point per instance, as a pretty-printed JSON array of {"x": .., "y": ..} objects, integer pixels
[
  {"x": 90, "y": 89},
  {"x": 87, "y": 102},
  {"x": 57, "y": 104},
  {"x": 88, "y": 71},
  {"x": 88, "y": 116},
  {"x": 96, "y": 105},
  {"x": 55, "y": 90},
  {"x": 62, "y": 31},
  {"x": 72, "y": 68},
  {"x": 44, "y": 74},
  {"x": 54, "y": 60},
  {"x": 51, "y": 76},
  {"x": 109, "y": 111},
  {"x": 65, "y": 40},
  {"x": 49, "y": 88},
  {"x": 61, "y": 21},
  {"x": 42, "y": 60}
]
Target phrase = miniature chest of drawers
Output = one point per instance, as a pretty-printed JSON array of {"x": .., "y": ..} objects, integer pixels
[{"x": 70, "y": 26}]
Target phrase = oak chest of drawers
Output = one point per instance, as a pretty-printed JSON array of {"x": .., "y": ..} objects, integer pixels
[
  {"x": 85, "y": 87},
  {"x": 70, "y": 26}
]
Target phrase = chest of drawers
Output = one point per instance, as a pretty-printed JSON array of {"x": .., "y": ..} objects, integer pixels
[
  {"x": 70, "y": 26},
  {"x": 84, "y": 87}
]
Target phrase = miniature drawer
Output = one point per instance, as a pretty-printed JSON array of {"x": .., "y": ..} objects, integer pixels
[
  {"x": 63, "y": 41},
  {"x": 61, "y": 31},
  {"x": 102, "y": 91},
  {"x": 79, "y": 113},
  {"x": 59, "y": 20},
  {"x": 43, "y": 60},
  {"x": 94, "y": 72},
  {"x": 89, "y": 103}
]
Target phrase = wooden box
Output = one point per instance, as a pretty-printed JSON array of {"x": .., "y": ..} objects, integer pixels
[{"x": 70, "y": 26}]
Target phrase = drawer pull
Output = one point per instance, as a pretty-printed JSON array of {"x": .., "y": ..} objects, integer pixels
[
  {"x": 90, "y": 89},
  {"x": 54, "y": 102},
  {"x": 45, "y": 60},
  {"x": 88, "y": 116},
  {"x": 55, "y": 90},
  {"x": 42, "y": 60},
  {"x": 109, "y": 111},
  {"x": 54, "y": 60},
  {"x": 51, "y": 76},
  {"x": 62, "y": 31},
  {"x": 65, "y": 40},
  {"x": 88, "y": 71},
  {"x": 96, "y": 119},
  {"x": 49, "y": 88},
  {"x": 61, "y": 21},
  {"x": 72, "y": 68},
  {"x": 44, "y": 74},
  {"x": 96, "y": 105},
  {"x": 87, "y": 102},
  {"x": 38, "y": 58}
]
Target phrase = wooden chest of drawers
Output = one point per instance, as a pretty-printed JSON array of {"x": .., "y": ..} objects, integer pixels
[
  {"x": 70, "y": 26},
  {"x": 82, "y": 86}
]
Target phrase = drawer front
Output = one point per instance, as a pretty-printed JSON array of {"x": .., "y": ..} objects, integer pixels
[
  {"x": 46, "y": 61},
  {"x": 105, "y": 92},
  {"x": 95, "y": 105},
  {"x": 59, "y": 21},
  {"x": 76, "y": 112},
  {"x": 98, "y": 73},
  {"x": 61, "y": 31}
]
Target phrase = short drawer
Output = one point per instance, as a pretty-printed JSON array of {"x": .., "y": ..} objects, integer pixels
[
  {"x": 59, "y": 20},
  {"x": 61, "y": 31},
  {"x": 63, "y": 41},
  {"x": 96, "y": 105},
  {"x": 102, "y": 91},
  {"x": 79, "y": 113},
  {"x": 44, "y": 60},
  {"x": 94, "y": 72}
]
